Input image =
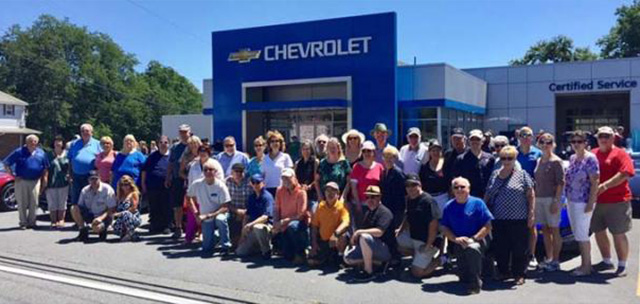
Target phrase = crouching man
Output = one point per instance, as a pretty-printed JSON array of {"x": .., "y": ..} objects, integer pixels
[
  {"x": 328, "y": 227},
  {"x": 96, "y": 205}
]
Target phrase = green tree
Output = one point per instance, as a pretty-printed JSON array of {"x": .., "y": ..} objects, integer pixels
[
  {"x": 623, "y": 39},
  {"x": 558, "y": 49},
  {"x": 70, "y": 75}
]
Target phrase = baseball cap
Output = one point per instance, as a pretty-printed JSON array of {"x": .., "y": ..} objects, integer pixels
[
  {"x": 476, "y": 133},
  {"x": 368, "y": 145},
  {"x": 257, "y": 178},
  {"x": 332, "y": 185},
  {"x": 412, "y": 179},
  {"x": 237, "y": 167},
  {"x": 184, "y": 127},
  {"x": 457, "y": 132},
  {"x": 288, "y": 172},
  {"x": 434, "y": 143},
  {"x": 414, "y": 131},
  {"x": 605, "y": 130},
  {"x": 93, "y": 174}
]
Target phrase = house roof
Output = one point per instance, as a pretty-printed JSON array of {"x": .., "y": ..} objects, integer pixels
[{"x": 11, "y": 100}]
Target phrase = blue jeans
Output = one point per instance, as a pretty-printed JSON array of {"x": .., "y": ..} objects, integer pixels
[
  {"x": 209, "y": 237},
  {"x": 294, "y": 240}
]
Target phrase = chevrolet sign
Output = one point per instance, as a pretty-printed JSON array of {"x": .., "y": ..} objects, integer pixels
[
  {"x": 244, "y": 55},
  {"x": 313, "y": 49}
]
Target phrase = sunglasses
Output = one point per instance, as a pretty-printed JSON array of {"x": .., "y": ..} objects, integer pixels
[
  {"x": 525, "y": 135},
  {"x": 255, "y": 182},
  {"x": 460, "y": 187},
  {"x": 507, "y": 158},
  {"x": 575, "y": 142},
  {"x": 209, "y": 169},
  {"x": 368, "y": 151},
  {"x": 258, "y": 145},
  {"x": 321, "y": 141},
  {"x": 353, "y": 138},
  {"x": 542, "y": 142},
  {"x": 499, "y": 146},
  {"x": 228, "y": 146},
  {"x": 607, "y": 136}
]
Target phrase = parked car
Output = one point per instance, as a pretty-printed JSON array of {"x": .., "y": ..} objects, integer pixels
[{"x": 7, "y": 191}]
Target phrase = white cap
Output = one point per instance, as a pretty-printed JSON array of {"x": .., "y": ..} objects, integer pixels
[
  {"x": 414, "y": 131},
  {"x": 184, "y": 127},
  {"x": 288, "y": 172},
  {"x": 605, "y": 130},
  {"x": 368, "y": 145},
  {"x": 476, "y": 133}
]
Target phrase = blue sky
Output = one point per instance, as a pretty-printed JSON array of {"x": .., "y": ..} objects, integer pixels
[{"x": 464, "y": 34}]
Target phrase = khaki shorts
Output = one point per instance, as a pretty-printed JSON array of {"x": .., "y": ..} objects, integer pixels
[
  {"x": 421, "y": 257},
  {"x": 616, "y": 217},
  {"x": 543, "y": 212}
]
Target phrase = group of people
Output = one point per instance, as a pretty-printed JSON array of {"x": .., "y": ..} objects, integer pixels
[{"x": 358, "y": 202}]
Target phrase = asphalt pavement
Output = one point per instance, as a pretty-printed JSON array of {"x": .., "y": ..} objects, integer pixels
[{"x": 157, "y": 265}]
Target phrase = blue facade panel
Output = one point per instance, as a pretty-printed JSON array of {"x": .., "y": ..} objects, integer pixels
[{"x": 361, "y": 47}]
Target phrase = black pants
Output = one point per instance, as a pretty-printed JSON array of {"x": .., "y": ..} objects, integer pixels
[
  {"x": 511, "y": 246},
  {"x": 160, "y": 210},
  {"x": 470, "y": 262}
]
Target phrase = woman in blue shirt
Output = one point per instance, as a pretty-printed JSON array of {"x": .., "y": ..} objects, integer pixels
[{"x": 129, "y": 161}]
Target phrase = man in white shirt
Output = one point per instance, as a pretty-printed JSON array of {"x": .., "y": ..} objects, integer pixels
[
  {"x": 412, "y": 154},
  {"x": 213, "y": 196},
  {"x": 96, "y": 204}
]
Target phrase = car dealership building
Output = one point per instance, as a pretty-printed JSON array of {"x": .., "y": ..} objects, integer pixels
[{"x": 328, "y": 76}]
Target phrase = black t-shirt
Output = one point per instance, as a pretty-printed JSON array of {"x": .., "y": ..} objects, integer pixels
[
  {"x": 420, "y": 212},
  {"x": 449, "y": 160},
  {"x": 433, "y": 182},
  {"x": 156, "y": 168},
  {"x": 476, "y": 170},
  {"x": 380, "y": 218}
]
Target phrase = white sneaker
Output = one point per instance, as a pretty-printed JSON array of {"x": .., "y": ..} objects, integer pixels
[{"x": 533, "y": 263}]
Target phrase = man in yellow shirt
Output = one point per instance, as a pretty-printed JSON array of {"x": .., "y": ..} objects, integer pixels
[{"x": 328, "y": 226}]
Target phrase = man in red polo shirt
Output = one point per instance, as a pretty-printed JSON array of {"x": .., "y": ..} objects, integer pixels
[{"x": 613, "y": 209}]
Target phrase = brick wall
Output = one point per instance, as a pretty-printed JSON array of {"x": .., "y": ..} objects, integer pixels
[{"x": 8, "y": 143}]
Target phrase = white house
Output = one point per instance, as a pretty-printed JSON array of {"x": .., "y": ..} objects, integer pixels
[{"x": 13, "y": 121}]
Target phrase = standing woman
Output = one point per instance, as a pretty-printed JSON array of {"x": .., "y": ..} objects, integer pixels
[
  {"x": 275, "y": 161},
  {"x": 127, "y": 216},
  {"x": 333, "y": 168},
  {"x": 366, "y": 172},
  {"x": 549, "y": 177},
  {"x": 186, "y": 161},
  {"x": 128, "y": 162},
  {"x": 104, "y": 159},
  {"x": 511, "y": 197},
  {"x": 190, "y": 153},
  {"x": 432, "y": 176},
  {"x": 582, "y": 179},
  {"x": 306, "y": 168},
  {"x": 353, "y": 140},
  {"x": 392, "y": 186},
  {"x": 58, "y": 186},
  {"x": 255, "y": 164}
]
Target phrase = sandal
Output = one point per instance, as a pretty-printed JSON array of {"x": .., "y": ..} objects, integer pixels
[{"x": 520, "y": 281}]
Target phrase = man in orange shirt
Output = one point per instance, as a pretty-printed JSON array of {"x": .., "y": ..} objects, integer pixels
[
  {"x": 290, "y": 219},
  {"x": 328, "y": 227}
]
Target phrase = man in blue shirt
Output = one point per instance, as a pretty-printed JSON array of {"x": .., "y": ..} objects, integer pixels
[
  {"x": 466, "y": 221},
  {"x": 231, "y": 156},
  {"x": 528, "y": 156},
  {"x": 173, "y": 182},
  {"x": 256, "y": 226},
  {"x": 154, "y": 173},
  {"x": 82, "y": 155},
  {"x": 31, "y": 173}
]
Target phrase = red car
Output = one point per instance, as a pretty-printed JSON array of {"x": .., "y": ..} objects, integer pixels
[{"x": 7, "y": 193}]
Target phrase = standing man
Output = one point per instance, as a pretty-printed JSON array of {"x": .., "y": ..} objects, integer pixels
[
  {"x": 154, "y": 173},
  {"x": 475, "y": 165},
  {"x": 32, "y": 171},
  {"x": 613, "y": 207},
  {"x": 174, "y": 182},
  {"x": 380, "y": 133},
  {"x": 528, "y": 156},
  {"x": 458, "y": 146},
  {"x": 231, "y": 156},
  {"x": 320, "y": 146},
  {"x": 82, "y": 155},
  {"x": 413, "y": 154},
  {"x": 371, "y": 242},
  {"x": 213, "y": 196}
]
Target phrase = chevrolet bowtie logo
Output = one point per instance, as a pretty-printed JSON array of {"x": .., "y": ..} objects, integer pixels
[{"x": 244, "y": 55}]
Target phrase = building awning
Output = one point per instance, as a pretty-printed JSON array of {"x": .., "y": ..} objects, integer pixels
[
  {"x": 11, "y": 100},
  {"x": 10, "y": 130}
]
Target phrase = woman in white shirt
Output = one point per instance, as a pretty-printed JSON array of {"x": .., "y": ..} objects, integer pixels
[{"x": 275, "y": 161}]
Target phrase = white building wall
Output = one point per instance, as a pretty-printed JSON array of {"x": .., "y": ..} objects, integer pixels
[
  {"x": 15, "y": 121},
  {"x": 207, "y": 94},
  {"x": 521, "y": 95},
  {"x": 201, "y": 125}
]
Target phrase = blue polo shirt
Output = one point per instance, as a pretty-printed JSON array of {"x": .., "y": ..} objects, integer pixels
[
  {"x": 529, "y": 160},
  {"x": 465, "y": 219},
  {"x": 127, "y": 164},
  {"x": 82, "y": 156},
  {"x": 227, "y": 161},
  {"x": 28, "y": 165},
  {"x": 259, "y": 206}
]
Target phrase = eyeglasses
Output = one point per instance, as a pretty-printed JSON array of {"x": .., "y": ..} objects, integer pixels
[
  {"x": 507, "y": 158},
  {"x": 525, "y": 135},
  {"x": 605, "y": 136},
  {"x": 575, "y": 142},
  {"x": 547, "y": 142},
  {"x": 321, "y": 141},
  {"x": 353, "y": 138},
  {"x": 258, "y": 145},
  {"x": 209, "y": 169},
  {"x": 276, "y": 141},
  {"x": 499, "y": 146},
  {"x": 460, "y": 187},
  {"x": 368, "y": 151},
  {"x": 253, "y": 182},
  {"x": 228, "y": 146}
]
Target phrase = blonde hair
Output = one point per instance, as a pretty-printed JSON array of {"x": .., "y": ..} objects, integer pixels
[
  {"x": 336, "y": 142},
  {"x": 390, "y": 150},
  {"x": 278, "y": 136},
  {"x": 509, "y": 151},
  {"x": 129, "y": 137},
  {"x": 259, "y": 140},
  {"x": 126, "y": 179},
  {"x": 106, "y": 139}
]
